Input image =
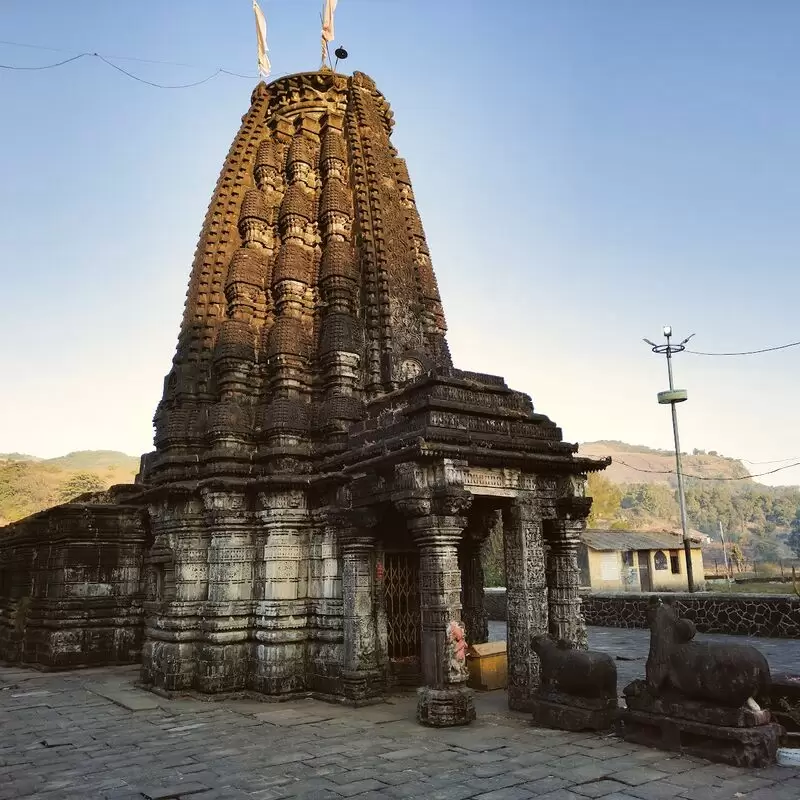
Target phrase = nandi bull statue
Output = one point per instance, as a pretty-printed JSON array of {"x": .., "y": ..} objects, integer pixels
[
  {"x": 700, "y": 697},
  {"x": 578, "y": 688}
]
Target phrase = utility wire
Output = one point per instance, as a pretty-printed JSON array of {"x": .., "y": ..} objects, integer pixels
[
  {"x": 774, "y": 461},
  {"x": 704, "y": 477},
  {"x": 158, "y": 85},
  {"x": 46, "y": 66},
  {"x": 746, "y": 352},
  {"x": 105, "y": 60},
  {"x": 128, "y": 58}
]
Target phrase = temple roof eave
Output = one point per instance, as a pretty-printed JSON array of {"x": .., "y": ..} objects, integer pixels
[{"x": 421, "y": 448}]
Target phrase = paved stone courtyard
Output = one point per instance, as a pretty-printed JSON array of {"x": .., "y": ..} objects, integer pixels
[
  {"x": 630, "y": 645},
  {"x": 90, "y": 734}
]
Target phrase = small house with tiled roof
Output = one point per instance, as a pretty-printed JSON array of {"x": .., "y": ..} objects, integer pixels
[{"x": 636, "y": 561}]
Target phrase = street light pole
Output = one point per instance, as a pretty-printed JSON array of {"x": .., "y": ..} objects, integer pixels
[{"x": 672, "y": 397}]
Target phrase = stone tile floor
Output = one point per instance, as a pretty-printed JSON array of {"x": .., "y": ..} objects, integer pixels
[
  {"x": 90, "y": 734},
  {"x": 631, "y": 646}
]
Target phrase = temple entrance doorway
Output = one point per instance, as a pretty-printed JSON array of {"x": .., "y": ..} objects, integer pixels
[
  {"x": 481, "y": 556},
  {"x": 403, "y": 623}
]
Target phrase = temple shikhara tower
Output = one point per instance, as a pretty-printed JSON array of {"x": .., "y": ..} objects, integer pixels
[{"x": 323, "y": 479}]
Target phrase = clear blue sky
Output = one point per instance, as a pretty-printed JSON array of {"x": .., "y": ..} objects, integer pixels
[{"x": 586, "y": 171}]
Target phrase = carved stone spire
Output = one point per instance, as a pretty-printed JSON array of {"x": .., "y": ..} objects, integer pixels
[{"x": 312, "y": 290}]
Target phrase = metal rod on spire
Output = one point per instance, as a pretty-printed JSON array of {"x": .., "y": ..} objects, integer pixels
[{"x": 327, "y": 30}]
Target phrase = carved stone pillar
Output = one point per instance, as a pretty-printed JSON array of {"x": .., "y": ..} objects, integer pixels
[
  {"x": 170, "y": 651},
  {"x": 526, "y": 596},
  {"x": 476, "y": 620},
  {"x": 225, "y": 633},
  {"x": 444, "y": 700},
  {"x": 563, "y": 574},
  {"x": 279, "y": 649},
  {"x": 361, "y": 678}
]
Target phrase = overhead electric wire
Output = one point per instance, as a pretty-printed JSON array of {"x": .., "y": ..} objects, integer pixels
[
  {"x": 116, "y": 58},
  {"x": 158, "y": 85},
  {"x": 108, "y": 60},
  {"x": 746, "y": 352},
  {"x": 703, "y": 477},
  {"x": 46, "y": 66},
  {"x": 774, "y": 460}
]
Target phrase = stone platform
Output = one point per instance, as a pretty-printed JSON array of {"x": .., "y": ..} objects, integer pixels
[
  {"x": 91, "y": 734},
  {"x": 552, "y": 710},
  {"x": 755, "y": 746},
  {"x": 742, "y": 737}
]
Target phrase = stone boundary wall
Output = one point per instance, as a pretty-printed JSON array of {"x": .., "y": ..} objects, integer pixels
[{"x": 737, "y": 614}]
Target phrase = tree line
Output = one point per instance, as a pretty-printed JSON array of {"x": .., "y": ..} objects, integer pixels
[{"x": 762, "y": 520}]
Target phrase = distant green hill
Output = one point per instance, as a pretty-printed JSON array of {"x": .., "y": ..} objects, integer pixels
[
  {"x": 29, "y": 484},
  {"x": 18, "y": 457},
  {"x": 94, "y": 460},
  {"x": 635, "y": 463},
  {"x": 638, "y": 491}
]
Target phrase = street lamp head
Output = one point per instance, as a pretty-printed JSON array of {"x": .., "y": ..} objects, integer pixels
[{"x": 668, "y": 330}]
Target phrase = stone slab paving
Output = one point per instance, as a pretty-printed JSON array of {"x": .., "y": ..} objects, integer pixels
[
  {"x": 630, "y": 645},
  {"x": 92, "y": 734}
]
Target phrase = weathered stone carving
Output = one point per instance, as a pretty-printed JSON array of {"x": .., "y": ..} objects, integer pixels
[
  {"x": 725, "y": 674},
  {"x": 153, "y": 581},
  {"x": 410, "y": 368},
  {"x": 578, "y": 689},
  {"x": 700, "y": 697},
  {"x": 457, "y": 670},
  {"x": 581, "y": 673}
]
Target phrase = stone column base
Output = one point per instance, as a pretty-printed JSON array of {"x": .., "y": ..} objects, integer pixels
[
  {"x": 445, "y": 708},
  {"x": 519, "y": 698},
  {"x": 363, "y": 687}
]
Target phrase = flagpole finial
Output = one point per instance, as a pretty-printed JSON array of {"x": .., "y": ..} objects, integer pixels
[{"x": 327, "y": 32}]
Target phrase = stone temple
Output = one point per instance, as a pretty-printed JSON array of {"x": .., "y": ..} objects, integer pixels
[{"x": 323, "y": 479}]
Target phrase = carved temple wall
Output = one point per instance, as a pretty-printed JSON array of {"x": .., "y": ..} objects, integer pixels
[
  {"x": 245, "y": 594},
  {"x": 226, "y": 592},
  {"x": 69, "y": 587}
]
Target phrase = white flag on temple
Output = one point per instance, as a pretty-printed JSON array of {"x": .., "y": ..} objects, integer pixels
[
  {"x": 261, "y": 34},
  {"x": 327, "y": 20}
]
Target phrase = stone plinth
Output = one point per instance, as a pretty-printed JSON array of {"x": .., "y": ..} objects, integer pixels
[
  {"x": 639, "y": 698},
  {"x": 739, "y": 747},
  {"x": 742, "y": 737},
  {"x": 570, "y": 713},
  {"x": 445, "y": 708}
]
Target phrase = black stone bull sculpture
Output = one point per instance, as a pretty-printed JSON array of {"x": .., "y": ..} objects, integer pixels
[
  {"x": 581, "y": 673},
  {"x": 724, "y": 674}
]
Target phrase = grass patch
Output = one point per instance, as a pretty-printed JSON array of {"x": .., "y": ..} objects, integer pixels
[{"x": 765, "y": 587}]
